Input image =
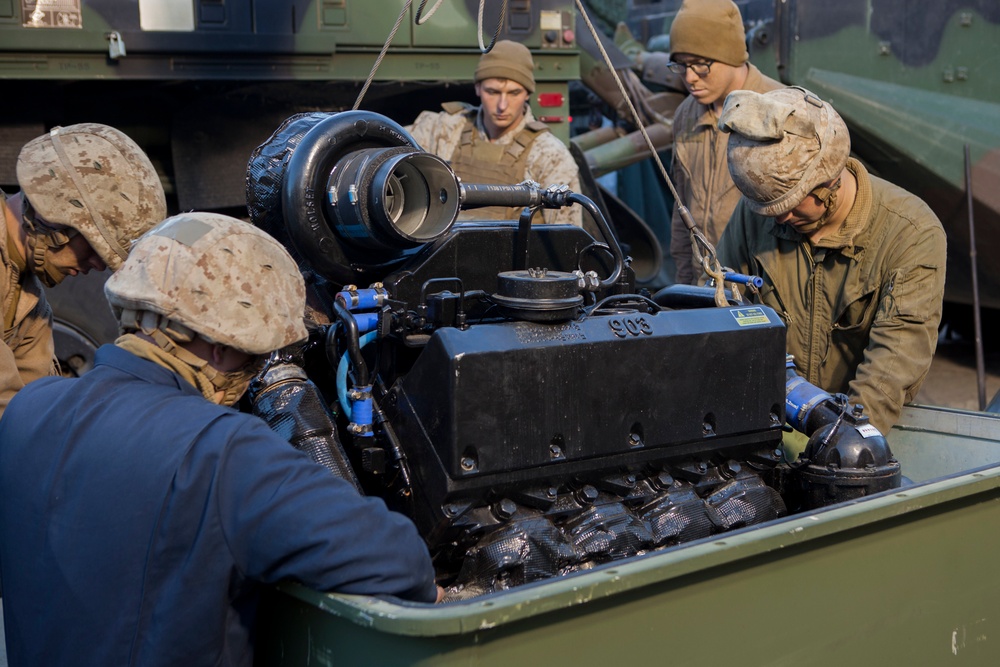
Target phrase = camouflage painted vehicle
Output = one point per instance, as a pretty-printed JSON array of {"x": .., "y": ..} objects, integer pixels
[{"x": 916, "y": 85}]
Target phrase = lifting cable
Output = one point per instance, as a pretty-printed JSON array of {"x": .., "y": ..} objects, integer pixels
[
  {"x": 703, "y": 249},
  {"x": 496, "y": 33},
  {"x": 420, "y": 20},
  {"x": 709, "y": 261}
]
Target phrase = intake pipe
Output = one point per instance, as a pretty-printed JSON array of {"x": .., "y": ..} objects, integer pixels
[
  {"x": 291, "y": 405},
  {"x": 847, "y": 457}
]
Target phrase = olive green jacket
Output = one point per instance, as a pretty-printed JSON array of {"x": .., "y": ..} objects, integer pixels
[
  {"x": 861, "y": 308},
  {"x": 701, "y": 175},
  {"x": 28, "y": 352}
]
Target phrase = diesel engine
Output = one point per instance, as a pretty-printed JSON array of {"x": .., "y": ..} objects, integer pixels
[{"x": 507, "y": 387}]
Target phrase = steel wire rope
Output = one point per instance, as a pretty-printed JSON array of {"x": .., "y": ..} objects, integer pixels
[
  {"x": 423, "y": 3},
  {"x": 709, "y": 261},
  {"x": 420, "y": 20},
  {"x": 496, "y": 33},
  {"x": 385, "y": 48}
]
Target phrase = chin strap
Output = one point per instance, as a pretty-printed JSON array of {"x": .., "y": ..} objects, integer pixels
[
  {"x": 827, "y": 195},
  {"x": 166, "y": 351},
  {"x": 40, "y": 238}
]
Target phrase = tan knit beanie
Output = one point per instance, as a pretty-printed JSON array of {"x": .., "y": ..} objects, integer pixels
[
  {"x": 711, "y": 29},
  {"x": 508, "y": 60}
]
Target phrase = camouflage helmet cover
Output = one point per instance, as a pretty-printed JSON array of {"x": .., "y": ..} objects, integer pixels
[
  {"x": 783, "y": 144},
  {"x": 221, "y": 277},
  {"x": 95, "y": 179}
]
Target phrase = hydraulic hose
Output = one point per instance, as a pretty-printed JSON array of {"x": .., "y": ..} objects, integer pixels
[
  {"x": 345, "y": 404},
  {"x": 352, "y": 339},
  {"x": 616, "y": 250}
]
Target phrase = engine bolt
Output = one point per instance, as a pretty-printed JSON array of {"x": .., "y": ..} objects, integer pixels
[
  {"x": 731, "y": 468},
  {"x": 504, "y": 509},
  {"x": 468, "y": 463},
  {"x": 629, "y": 480},
  {"x": 551, "y": 492},
  {"x": 665, "y": 479},
  {"x": 587, "y": 494},
  {"x": 555, "y": 452}
]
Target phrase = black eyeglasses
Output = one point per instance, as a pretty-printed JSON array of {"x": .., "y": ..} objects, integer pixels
[{"x": 699, "y": 68}]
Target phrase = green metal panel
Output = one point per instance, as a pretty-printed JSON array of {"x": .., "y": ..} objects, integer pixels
[
  {"x": 961, "y": 62},
  {"x": 904, "y": 578}
]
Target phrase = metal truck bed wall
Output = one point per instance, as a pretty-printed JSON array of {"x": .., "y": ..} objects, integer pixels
[{"x": 909, "y": 577}]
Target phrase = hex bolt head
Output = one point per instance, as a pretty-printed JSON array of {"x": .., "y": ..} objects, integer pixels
[
  {"x": 505, "y": 509},
  {"x": 731, "y": 468},
  {"x": 588, "y": 494}
]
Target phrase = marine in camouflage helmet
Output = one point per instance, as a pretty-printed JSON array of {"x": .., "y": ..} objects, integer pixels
[
  {"x": 784, "y": 146},
  {"x": 854, "y": 265},
  {"x": 208, "y": 276},
  {"x": 89, "y": 179}
]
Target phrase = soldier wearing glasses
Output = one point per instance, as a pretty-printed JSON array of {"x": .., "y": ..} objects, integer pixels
[{"x": 708, "y": 49}]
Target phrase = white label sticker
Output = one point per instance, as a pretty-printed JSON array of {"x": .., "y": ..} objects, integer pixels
[
  {"x": 173, "y": 15},
  {"x": 51, "y": 13},
  {"x": 868, "y": 431}
]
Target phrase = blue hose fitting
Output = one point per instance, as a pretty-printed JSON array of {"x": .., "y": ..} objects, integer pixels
[
  {"x": 362, "y": 299},
  {"x": 743, "y": 279},
  {"x": 361, "y": 411},
  {"x": 800, "y": 397}
]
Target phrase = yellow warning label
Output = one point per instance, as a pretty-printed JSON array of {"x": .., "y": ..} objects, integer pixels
[{"x": 748, "y": 317}]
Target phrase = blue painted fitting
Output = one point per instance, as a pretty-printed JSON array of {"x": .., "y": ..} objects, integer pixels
[
  {"x": 800, "y": 398},
  {"x": 366, "y": 321},
  {"x": 362, "y": 299},
  {"x": 361, "y": 411},
  {"x": 742, "y": 279}
]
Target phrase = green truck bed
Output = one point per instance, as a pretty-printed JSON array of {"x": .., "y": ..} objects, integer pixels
[{"x": 903, "y": 578}]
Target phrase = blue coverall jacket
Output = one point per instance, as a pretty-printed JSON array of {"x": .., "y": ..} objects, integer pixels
[{"x": 138, "y": 522}]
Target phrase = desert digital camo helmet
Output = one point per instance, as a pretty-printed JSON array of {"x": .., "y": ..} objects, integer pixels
[
  {"x": 96, "y": 180},
  {"x": 217, "y": 276},
  {"x": 783, "y": 145}
]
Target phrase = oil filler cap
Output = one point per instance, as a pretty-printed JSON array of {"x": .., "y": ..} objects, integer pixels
[{"x": 538, "y": 295}]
